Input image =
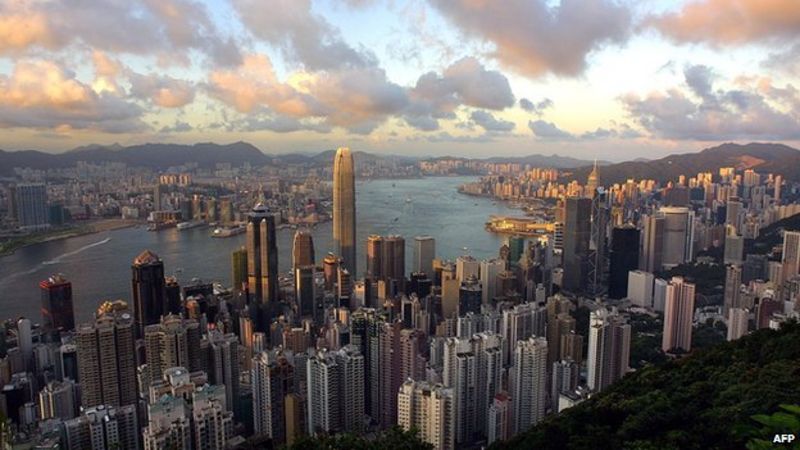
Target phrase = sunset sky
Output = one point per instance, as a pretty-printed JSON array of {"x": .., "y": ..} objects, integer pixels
[{"x": 585, "y": 78}]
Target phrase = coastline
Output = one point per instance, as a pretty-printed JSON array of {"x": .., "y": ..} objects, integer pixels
[{"x": 93, "y": 227}]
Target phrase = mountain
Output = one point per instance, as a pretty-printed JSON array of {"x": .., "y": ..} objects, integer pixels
[
  {"x": 771, "y": 236},
  {"x": 553, "y": 161},
  {"x": 763, "y": 157},
  {"x": 705, "y": 400}
]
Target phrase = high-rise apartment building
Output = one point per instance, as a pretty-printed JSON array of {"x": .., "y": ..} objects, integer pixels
[
  {"x": 335, "y": 391},
  {"x": 678, "y": 315},
  {"x": 173, "y": 342},
  {"x": 528, "y": 383},
  {"x": 609, "y": 349},
  {"x": 430, "y": 410},
  {"x": 271, "y": 379},
  {"x": 103, "y": 427}
]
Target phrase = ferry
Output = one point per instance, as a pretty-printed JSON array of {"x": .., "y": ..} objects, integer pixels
[
  {"x": 189, "y": 225},
  {"x": 221, "y": 232}
]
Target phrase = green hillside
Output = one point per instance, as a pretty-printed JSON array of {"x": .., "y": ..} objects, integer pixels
[{"x": 704, "y": 401}]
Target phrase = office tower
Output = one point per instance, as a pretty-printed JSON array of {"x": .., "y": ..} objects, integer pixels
[
  {"x": 424, "y": 253},
  {"x": 500, "y": 421},
  {"x": 335, "y": 391},
  {"x": 733, "y": 211},
  {"x": 678, "y": 315},
  {"x": 519, "y": 323},
  {"x": 659, "y": 294},
  {"x": 271, "y": 380},
  {"x": 366, "y": 325},
  {"x": 572, "y": 346},
  {"x": 103, "y": 427},
  {"x": 262, "y": 255},
  {"x": 25, "y": 342},
  {"x": 734, "y": 246},
  {"x": 516, "y": 249},
  {"x": 577, "y": 233},
  {"x": 386, "y": 261},
  {"x": 609, "y": 349},
  {"x": 624, "y": 258},
  {"x": 172, "y": 293},
  {"x": 169, "y": 425},
  {"x": 197, "y": 208},
  {"x": 213, "y": 423},
  {"x": 738, "y": 319},
  {"x": 107, "y": 360},
  {"x": 305, "y": 290},
  {"x": 385, "y": 370},
  {"x": 330, "y": 268},
  {"x": 173, "y": 342},
  {"x": 429, "y": 409},
  {"x": 754, "y": 268},
  {"x": 420, "y": 284},
  {"x": 592, "y": 182},
  {"x": 528, "y": 383},
  {"x": 147, "y": 285},
  {"x": 223, "y": 365},
  {"x": 239, "y": 268},
  {"x": 226, "y": 211},
  {"x": 598, "y": 237},
  {"x": 640, "y": 288},
  {"x": 652, "y": 243},
  {"x": 303, "y": 249},
  {"x": 489, "y": 271},
  {"x": 211, "y": 210},
  {"x": 186, "y": 210},
  {"x": 57, "y": 312},
  {"x": 31, "y": 205},
  {"x": 469, "y": 296},
  {"x": 733, "y": 283},
  {"x": 344, "y": 208},
  {"x": 58, "y": 400},
  {"x": 450, "y": 293},
  {"x": 791, "y": 254},
  {"x": 344, "y": 289},
  {"x": 678, "y": 236},
  {"x": 558, "y": 325},
  {"x": 467, "y": 267},
  {"x": 157, "y": 206},
  {"x": 565, "y": 378}
]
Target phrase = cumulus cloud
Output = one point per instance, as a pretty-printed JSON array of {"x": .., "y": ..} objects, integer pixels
[
  {"x": 698, "y": 111},
  {"x": 727, "y": 22},
  {"x": 163, "y": 91},
  {"x": 177, "y": 127},
  {"x": 490, "y": 123},
  {"x": 145, "y": 27},
  {"x": 536, "y": 37},
  {"x": 537, "y": 108},
  {"x": 548, "y": 130},
  {"x": 301, "y": 35},
  {"x": 42, "y": 94}
]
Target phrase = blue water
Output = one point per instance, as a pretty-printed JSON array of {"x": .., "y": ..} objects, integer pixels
[{"x": 99, "y": 264}]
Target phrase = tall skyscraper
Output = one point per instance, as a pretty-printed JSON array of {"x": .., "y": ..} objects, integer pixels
[
  {"x": 489, "y": 271},
  {"x": 640, "y": 288},
  {"x": 430, "y": 410},
  {"x": 272, "y": 379},
  {"x": 31, "y": 205},
  {"x": 592, "y": 182},
  {"x": 733, "y": 284},
  {"x": 678, "y": 315},
  {"x": 791, "y": 254},
  {"x": 147, "y": 285},
  {"x": 386, "y": 260},
  {"x": 652, "y": 243},
  {"x": 302, "y": 249},
  {"x": 565, "y": 378},
  {"x": 734, "y": 246},
  {"x": 678, "y": 235},
  {"x": 57, "y": 311},
  {"x": 305, "y": 290},
  {"x": 335, "y": 391},
  {"x": 424, "y": 253},
  {"x": 223, "y": 366},
  {"x": 239, "y": 268},
  {"x": 262, "y": 255},
  {"x": 528, "y": 383},
  {"x": 173, "y": 342},
  {"x": 577, "y": 231},
  {"x": 467, "y": 267},
  {"x": 107, "y": 361},
  {"x": 624, "y": 258},
  {"x": 609, "y": 349},
  {"x": 344, "y": 208}
]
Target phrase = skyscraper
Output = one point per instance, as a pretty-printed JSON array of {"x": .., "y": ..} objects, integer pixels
[
  {"x": 652, "y": 243},
  {"x": 173, "y": 342},
  {"x": 305, "y": 290},
  {"x": 344, "y": 208},
  {"x": 31, "y": 205},
  {"x": 239, "y": 268},
  {"x": 335, "y": 391},
  {"x": 107, "y": 361},
  {"x": 302, "y": 249},
  {"x": 609, "y": 349},
  {"x": 577, "y": 231},
  {"x": 223, "y": 366},
  {"x": 430, "y": 410},
  {"x": 489, "y": 271},
  {"x": 528, "y": 383},
  {"x": 791, "y": 254},
  {"x": 678, "y": 236},
  {"x": 272, "y": 379},
  {"x": 57, "y": 312},
  {"x": 262, "y": 255},
  {"x": 624, "y": 258},
  {"x": 678, "y": 315},
  {"x": 386, "y": 260},
  {"x": 424, "y": 253},
  {"x": 147, "y": 285},
  {"x": 733, "y": 283},
  {"x": 103, "y": 427}
]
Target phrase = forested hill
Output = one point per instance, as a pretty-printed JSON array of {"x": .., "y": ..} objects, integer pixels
[{"x": 704, "y": 401}]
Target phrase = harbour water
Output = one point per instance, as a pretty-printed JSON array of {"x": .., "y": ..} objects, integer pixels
[{"x": 99, "y": 264}]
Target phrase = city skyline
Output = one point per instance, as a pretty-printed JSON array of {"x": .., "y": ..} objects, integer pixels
[{"x": 629, "y": 79}]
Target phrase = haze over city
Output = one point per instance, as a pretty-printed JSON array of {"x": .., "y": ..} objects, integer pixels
[{"x": 621, "y": 79}]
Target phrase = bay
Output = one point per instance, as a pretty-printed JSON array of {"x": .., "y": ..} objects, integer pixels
[{"x": 99, "y": 264}]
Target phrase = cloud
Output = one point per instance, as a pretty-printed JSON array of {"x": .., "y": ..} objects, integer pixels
[
  {"x": 536, "y": 37},
  {"x": 548, "y": 130},
  {"x": 164, "y": 91},
  {"x": 731, "y": 22},
  {"x": 537, "y": 108},
  {"x": 698, "y": 111},
  {"x": 177, "y": 127},
  {"x": 489, "y": 123},
  {"x": 42, "y": 94},
  {"x": 787, "y": 61},
  {"x": 142, "y": 27},
  {"x": 301, "y": 35}
]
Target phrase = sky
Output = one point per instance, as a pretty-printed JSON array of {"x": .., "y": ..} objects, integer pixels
[{"x": 608, "y": 79}]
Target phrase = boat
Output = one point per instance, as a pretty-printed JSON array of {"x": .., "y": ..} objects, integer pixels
[
  {"x": 224, "y": 232},
  {"x": 189, "y": 225}
]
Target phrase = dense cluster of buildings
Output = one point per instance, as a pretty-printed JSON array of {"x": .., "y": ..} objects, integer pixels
[{"x": 466, "y": 352}]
